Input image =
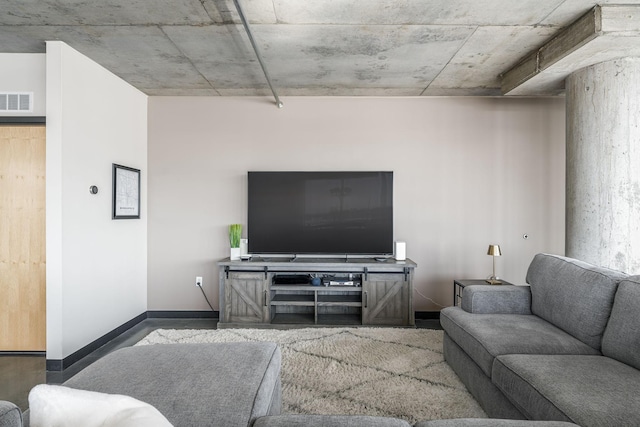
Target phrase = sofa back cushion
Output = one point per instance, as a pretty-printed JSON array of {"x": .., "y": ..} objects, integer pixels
[
  {"x": 574, "y": 296},
  {"x": 621, "y": 340}
]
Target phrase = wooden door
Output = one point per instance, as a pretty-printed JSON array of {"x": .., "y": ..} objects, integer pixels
[
  {"x": 22, "y": 238},
  {"x": 385, "y": 300},
  {"x": 246, "y": 298}
]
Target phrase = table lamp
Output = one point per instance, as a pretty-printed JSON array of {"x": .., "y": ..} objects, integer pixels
[{"x": 494, "y": 251}]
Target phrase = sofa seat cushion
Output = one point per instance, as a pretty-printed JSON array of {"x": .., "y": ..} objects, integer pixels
[
  {"x": 485, "y": 336},
  {"x": 222, "y": 384},
  {"x": 621, "y": 339},
  {"x": 587, "y": 390},
  {"x": 329, "y": 421},
  {"x": 575, "y": 296}
]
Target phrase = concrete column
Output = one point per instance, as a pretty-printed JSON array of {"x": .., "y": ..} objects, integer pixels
[{"x": 603, "y": 165}]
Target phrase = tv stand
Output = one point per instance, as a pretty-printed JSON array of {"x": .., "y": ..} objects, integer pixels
[{"x": 279, "y": 292}]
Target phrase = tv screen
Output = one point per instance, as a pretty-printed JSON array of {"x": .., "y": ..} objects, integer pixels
[{"x": 341, "y": 213}]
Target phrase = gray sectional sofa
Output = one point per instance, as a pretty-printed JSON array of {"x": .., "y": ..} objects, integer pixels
[{"x": 565, "y": 348}]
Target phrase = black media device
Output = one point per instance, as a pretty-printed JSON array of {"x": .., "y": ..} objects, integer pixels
[{"x": 324, "y": 213}]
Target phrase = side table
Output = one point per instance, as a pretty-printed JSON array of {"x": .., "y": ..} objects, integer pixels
[{"x": 460, "y": 284}]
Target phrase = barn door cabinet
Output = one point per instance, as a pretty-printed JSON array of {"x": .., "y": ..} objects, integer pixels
[
  {"x": 387, "y": 299},
  {"x": 246, "y": 297},
  {"x": 279, "y": 293}
]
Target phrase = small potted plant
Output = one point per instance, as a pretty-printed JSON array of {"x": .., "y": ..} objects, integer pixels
[{"x": 235, "y": 233}]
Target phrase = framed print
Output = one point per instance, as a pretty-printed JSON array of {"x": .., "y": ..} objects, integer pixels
[{"x": 126, "y": 192}]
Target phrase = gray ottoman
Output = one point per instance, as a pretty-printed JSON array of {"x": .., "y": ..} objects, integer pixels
[{"x": 219, "y": 384}]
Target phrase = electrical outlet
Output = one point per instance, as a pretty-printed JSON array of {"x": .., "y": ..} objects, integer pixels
[{"x": 198, "y": 281}]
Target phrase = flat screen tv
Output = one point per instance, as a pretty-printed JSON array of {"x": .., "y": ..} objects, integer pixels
[{"x": 323, "y": 213}]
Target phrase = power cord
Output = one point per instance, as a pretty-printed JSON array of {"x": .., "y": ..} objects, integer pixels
[
  {"x": 429, "y": 299},
  {"x": 205, "y": 296}
]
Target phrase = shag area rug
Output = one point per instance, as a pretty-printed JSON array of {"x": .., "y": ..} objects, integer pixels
[{"x": 368, "y": 371}]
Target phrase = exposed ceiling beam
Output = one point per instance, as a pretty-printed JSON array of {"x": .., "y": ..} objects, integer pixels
[{"x": 613, "y": 27}]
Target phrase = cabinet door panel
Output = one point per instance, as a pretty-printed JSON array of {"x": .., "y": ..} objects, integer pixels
[
  {"x": 385, "y": 300},
  {"x": 245, "y": 298}
]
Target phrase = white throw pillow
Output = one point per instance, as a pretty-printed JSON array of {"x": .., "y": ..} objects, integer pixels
[{"x": 59, "y": 406}]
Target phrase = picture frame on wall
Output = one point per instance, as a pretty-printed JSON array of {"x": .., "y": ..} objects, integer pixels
[{"x": 126, "y": 192}]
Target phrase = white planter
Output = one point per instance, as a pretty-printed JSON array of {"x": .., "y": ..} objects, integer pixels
[{"x": 234, "y": 254}]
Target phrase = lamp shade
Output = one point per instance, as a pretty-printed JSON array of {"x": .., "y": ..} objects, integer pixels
[{"x": 494, "y": 250}]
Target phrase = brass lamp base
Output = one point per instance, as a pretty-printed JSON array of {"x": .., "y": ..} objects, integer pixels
[{"x": 494, "y": 251}]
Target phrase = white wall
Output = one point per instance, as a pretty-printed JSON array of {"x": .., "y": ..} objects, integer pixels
[
  {"x": 24, "y": 72},
  {"x": 468, "y": 172},
  {"x": 96, "y": 267}
]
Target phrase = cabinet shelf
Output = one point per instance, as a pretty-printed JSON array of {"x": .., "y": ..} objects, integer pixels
[
  {"x": 293, "y": 299},
  {"x": 323, "y": 319},
  {"x": 309, "y": 300},
  {"x": 292, "y": 287},
  {"x": 339, "y": 319},
  {"x": 293, "y": 319},
  {"x": 340, "y": 300},
  {"x": 319, "y": 289}
]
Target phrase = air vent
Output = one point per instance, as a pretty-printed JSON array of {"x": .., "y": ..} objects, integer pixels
[{"x": 14, "y": 102}]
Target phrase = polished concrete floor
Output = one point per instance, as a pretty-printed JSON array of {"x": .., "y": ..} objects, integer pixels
[{"x": 19, "y": 374}]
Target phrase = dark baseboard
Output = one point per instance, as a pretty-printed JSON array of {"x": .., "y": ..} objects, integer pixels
[
  {"x": 22, "y": 120},
  {"x": 183, "y": 314},
  {"x": 54, "y": 365},
  {"x": 61, "y": 365},
  {"x": 428, "y": 315},
  {"x": 23, "y": 353}
]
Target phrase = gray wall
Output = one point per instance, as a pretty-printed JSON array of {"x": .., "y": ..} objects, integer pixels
[{"x": 468, "y": 172}]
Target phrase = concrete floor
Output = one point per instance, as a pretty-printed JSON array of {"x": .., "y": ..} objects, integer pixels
[{"x": 19, "y": 374}]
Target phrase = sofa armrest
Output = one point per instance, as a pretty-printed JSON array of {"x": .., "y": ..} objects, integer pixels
[
  {"x": 494, "y": 299},
  {"x": 10, "y": 415}
]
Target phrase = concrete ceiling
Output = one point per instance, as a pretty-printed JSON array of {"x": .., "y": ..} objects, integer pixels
[{"x": 321, "y": 47}]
